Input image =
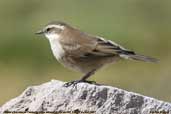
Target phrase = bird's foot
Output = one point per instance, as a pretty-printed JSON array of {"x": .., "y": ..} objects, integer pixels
[
  {"x": 75, "y": 82},
  {"x": 90, "y": 82}
]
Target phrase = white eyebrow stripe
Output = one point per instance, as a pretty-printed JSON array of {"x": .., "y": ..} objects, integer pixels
[{"x": 56, "y": 26}]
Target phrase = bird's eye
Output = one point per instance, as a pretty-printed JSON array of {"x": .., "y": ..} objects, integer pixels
[{"x": 48, "y": 29}]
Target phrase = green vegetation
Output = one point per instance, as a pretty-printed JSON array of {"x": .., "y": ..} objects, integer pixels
[{"x": 140, "y": 25}]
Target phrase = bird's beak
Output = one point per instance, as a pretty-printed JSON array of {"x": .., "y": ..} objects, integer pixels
[{"x": 39, "y": 32}]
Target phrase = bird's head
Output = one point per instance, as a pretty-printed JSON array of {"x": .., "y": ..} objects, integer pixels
[{"x": 53, "y": 29}]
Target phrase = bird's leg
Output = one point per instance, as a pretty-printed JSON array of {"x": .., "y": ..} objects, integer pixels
[
  {"x": 86, "y": 76},
  {"x": 83, "y": 79}
]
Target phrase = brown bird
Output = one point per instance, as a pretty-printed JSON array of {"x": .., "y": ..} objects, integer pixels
[{"x": 83, "y": 52}]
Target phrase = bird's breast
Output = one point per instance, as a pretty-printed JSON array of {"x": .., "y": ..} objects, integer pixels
[{"x": 57, "y": 49}]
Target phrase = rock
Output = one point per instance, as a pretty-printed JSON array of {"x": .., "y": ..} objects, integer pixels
[{"x": 53, "y": 97}]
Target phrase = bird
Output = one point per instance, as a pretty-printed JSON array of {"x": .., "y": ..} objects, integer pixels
[{"x": 83, "y": 52}]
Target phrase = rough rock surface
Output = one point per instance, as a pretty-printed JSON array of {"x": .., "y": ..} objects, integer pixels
[{"x": 52, "y": 96}]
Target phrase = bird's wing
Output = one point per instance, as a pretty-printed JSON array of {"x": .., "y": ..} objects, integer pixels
[
  {"x": 93, "y": 46},
  {"x": 109, "y": 47}
]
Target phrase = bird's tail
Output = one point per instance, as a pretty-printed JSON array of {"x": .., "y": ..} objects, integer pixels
[{"x": 139, "y": 57}]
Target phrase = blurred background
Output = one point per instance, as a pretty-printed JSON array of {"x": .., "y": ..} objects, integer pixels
[{"x": 141, "y": 25}]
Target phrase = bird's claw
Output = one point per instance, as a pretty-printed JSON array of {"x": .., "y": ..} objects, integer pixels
[
  {"x": 90, "y": 82},
  {"x": 75, "y": 82}
]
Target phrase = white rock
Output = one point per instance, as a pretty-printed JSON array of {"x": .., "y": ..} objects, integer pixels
[{"x": 52, "y": 96}]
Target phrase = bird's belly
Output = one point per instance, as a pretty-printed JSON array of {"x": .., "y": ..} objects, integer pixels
[{"x": 86, "y": 65}]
